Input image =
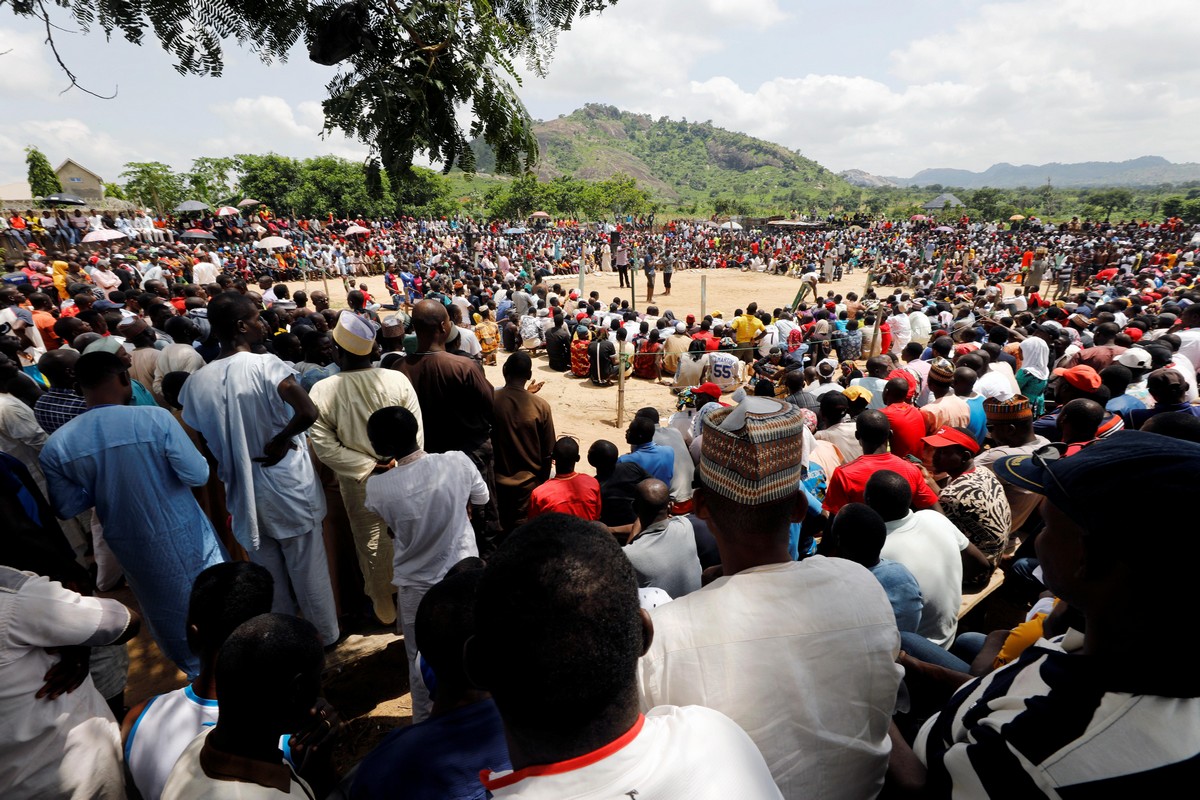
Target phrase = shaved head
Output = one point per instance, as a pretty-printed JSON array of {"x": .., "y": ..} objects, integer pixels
[{"x": 59, "y": 367}]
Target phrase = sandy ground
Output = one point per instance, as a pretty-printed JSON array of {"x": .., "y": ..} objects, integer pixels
[{"x": 366, "y": 678}]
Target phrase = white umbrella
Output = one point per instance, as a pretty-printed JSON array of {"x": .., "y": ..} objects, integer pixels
[
  {"x": 354, "y": 230},
  {"x": 103, "y": 235},
  {"x": 249, "y": 202},
  {"x": 227, "y": 211},
  {"x": 730, "y": 226},
  {"x": 272, "y": 242}
]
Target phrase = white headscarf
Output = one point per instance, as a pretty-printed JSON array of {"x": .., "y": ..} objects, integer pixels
[{"x": 1035, "y": 358}]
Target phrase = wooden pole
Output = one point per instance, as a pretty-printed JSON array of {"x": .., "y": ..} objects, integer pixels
[
  {"x": 620, "y": 387},
  {"x": 876, "y": 345},
  {"x": 703, "y": 296}
]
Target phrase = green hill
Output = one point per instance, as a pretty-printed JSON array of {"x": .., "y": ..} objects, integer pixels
[{"x": 681, "y": 163}]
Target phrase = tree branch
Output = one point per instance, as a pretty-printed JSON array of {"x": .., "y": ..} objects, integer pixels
[{"x": 45, "y": 17}]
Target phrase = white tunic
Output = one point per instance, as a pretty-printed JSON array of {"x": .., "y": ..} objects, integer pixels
[{"x": 802, "y": 656}]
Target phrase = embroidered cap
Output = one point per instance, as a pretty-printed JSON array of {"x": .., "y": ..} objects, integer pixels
[
  {"x": 751, "y": 454},
  {"x": 1014, "y": 409}
]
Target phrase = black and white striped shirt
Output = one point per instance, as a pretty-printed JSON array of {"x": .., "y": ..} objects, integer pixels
[{"x": 1050, "y": 725}]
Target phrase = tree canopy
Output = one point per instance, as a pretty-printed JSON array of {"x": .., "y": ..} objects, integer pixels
[
  {"x": 42, "y": 180},
  {"x": 406, "y": 74}
]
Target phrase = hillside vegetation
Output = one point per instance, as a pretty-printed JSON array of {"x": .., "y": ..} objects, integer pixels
[{"x": 694, "y": 167}]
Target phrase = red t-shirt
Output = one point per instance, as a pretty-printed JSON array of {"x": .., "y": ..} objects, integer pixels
[
  {"x": 908, "y": 428},
  {"x": 574, "y": 494},
  {"x": 849, "y": 481}
]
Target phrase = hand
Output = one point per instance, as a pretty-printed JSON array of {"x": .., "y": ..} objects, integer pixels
[
  {"x": 315, "y": 736},
  {"x": 534, "y": 386},
  {"x": 68, "y": 674},
  {"x": 274, "y": 451},
  {"x": 383, "y": 467}
]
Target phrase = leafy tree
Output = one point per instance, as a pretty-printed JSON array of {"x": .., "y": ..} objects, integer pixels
[
  {"x": 329, "y": 184},
  {"x": 406, "y": 71},
  {"x": 153, "y": 184},
  {"x": 987, "y": 203},
  {"x": 1173, "y": 206},
  {"x": 113, "y": 191},
  {"x": 1110, "y": 200},
  {"x": 424, "y": 193},
  {"x": 42, "y": 180},
  {"x": 267, "y": 178},
  {"x": 213, "y": 180}
]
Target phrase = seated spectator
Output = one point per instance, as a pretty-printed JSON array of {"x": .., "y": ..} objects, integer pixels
[
  {"x": 1168, "y": 388},
  {"x": 859, "y": 533},
  {"x": 656, "y": 459},
  {"x": 1116, "y": 378},
  {"x": 973, "y": 499},
  {"x": 239, "y": 756},
  {"x": 848, "y": 481},
  {"x": 617, "y": 482},
  {"x": 441, "y": 758},
  {"x": 837, "y": 427},
  {"x": 663, "y": 553},
  {"x": 157, "y": 731},
  {"x": 1078, "y": 422},
  {"x": 559, "y": 598},
  {"x": 568, "y": 492},
  {"x": 905, "y": 420},
  {"x": 937, "y": 554},
  {"x": 1063, "y": 719}
]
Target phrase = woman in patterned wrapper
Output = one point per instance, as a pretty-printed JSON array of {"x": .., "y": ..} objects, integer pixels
[{"x": 973, "y": 499}]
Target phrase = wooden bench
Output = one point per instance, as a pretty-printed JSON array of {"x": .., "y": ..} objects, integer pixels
[{"x": 969, "y": 601}]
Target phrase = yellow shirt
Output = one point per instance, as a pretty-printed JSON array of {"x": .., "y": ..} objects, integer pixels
[{"x": 746, "y": 327}]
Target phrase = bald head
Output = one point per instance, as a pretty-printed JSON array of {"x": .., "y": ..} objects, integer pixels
[
  {"x": 964, "y": 381},
  {"x": 59, "y": 367},
  {"x": 430, "y": 322},
  {"x": 651, "y": 501}
]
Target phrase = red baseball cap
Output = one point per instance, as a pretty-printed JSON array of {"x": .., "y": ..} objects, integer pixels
[
  {"x": 710, "y": 389},
  {"x": 1082, "y": 377},
  {"x": 952, "y": 437}
]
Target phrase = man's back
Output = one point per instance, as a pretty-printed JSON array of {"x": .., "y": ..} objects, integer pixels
[
  {"x": 456, "y": 400},
  {"x": 670, "y": 754},
  {"x": 820, "y": 639},
  {"x": 664, "y": 556},
  {"x": 234, "y": 404},
  {"x": 439, "y": 759},
  {"x": 423, "y": 499},
  {"x": 524, "y": 434},
  {"x": 658, "y": 460},
  {"x": 930, "y": 546}
]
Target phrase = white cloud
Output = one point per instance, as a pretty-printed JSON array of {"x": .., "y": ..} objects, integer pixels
[
  {"x": 267, "y": 123},
  {"x": 1016, "y": 81},
  {"x": 26, "y": 67}
]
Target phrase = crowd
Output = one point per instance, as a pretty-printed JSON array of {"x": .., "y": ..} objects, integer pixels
[{"x": 759, "y": 597}]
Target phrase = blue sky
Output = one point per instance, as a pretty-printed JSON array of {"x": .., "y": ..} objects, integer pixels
[{"x": 887, "y": 87}]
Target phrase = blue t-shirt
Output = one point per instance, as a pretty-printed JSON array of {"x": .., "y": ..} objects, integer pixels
[
  {"x": 902, "y": 592},
  {"x": 439, "y": 759},
  {"x": 1124, "y": 404},
  {"x": 659, "y": 461},
  {"x": 978, "y": 423}
]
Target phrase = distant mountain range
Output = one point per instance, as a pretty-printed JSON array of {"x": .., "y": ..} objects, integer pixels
[
  {"x": 679, "y": 161},
  {"x": 1144, "y": 171}
]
